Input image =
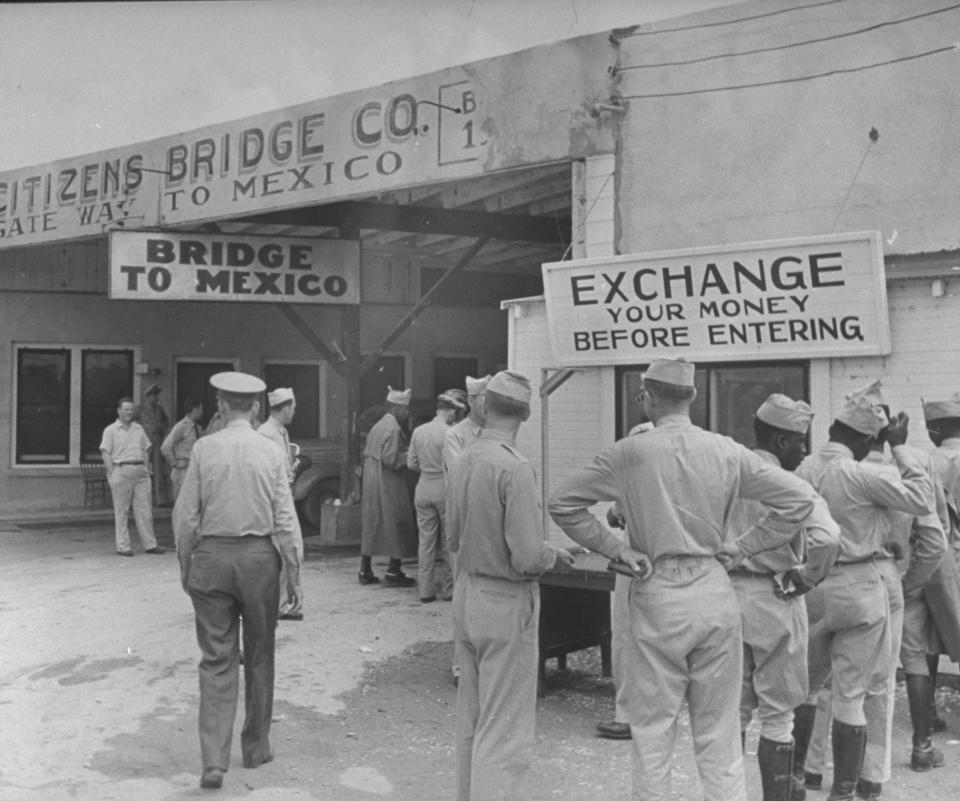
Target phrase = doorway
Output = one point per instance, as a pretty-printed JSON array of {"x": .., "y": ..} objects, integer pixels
[{"x": 193, "y": 381}]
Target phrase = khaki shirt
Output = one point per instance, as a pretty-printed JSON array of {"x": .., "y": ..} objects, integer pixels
[
  {"x": 458, "y": 437},
  {"x": 179, "y": 442},
  {"x": 236, "y": 485},
  {"x": 276, "y": 432},
  {"x": 858, "y": 497},
  {"x": 814, "y": 548},
  {"x": 675, "y": 487},
  {"x": 426, "y": 448},
  {"x": 493, "y": 512}
]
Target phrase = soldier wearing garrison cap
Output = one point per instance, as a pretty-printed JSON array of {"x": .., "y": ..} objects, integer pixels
[
  {"x": 495, "y": 527},
  {"x": 769, "y": 588},
  {"x": 425, "y": 456},
  {"x": 385, "y": 501},
  {"x": 849, "y": 635},
  {"x": 942, "y": 591},
  {"x": 283, "y": 407},
  {"x": 233, "y": 517},
  {"x": 674, "y": 486},
  {"x": 153, "y": 417}
]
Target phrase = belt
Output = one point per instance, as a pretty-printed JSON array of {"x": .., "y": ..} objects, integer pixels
[
  {"x": 742, "y": 572},
  {"x": 124, "y": 464}
]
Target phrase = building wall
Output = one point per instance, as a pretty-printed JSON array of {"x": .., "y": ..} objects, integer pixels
[{"x": 794, "y": 158}]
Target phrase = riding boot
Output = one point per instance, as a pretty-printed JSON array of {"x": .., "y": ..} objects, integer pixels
[
  {"x": 775, "y": 769},
  {"x": 849, "y": 743},
  {"x": 937, "y": 723},
  {"x": 803, "y": 717},
  {"x": 919, "y": 693}
]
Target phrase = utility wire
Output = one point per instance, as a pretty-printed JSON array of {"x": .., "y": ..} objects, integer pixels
[
  {"x": 799, "y": 79},
  {"x": 587, "y": 215},
  {"x": 788, "y": 46},
  {"x": 726, "y": 22}
]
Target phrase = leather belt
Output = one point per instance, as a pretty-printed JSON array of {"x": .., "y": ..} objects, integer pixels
[{"x": 125, "y": 464}]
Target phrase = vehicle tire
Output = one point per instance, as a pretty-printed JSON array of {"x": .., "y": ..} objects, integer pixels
[{"x": 322, "y": 492}]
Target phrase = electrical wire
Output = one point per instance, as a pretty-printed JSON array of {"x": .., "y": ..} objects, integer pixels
[
  {"x": 587, "y": 215},
  {"x": 726, "y": 22},
  {"x": 799, "y": 79},
  {"x": 788, "y": 46}
]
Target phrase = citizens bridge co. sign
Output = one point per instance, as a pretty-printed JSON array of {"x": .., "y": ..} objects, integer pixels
[{"x": 815, "y": 297}]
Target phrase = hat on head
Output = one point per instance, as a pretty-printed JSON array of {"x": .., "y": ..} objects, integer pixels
[
  {"x": 872, "y": 392},
  {"x": 280, "y": 395},
  {"x": 938, "y": 410},
  {"x": 861, "y": 410},
  {"x": 153, "y": 389},
  {"x": 672, "y": 371},
  {"x": 455, "y": 397},
  {"x": 511, "y": 385},
  {"x": 233, "y": 383},
  {"x": 399, "y": 397},
  {"x": 782, "y": 412},
  {"x": 476, "y": 385}
]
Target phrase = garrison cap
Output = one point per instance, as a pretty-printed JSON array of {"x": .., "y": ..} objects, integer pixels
[
  {"x": 455, "y": 397},
  {"x": 476, "y": 385},
  {"x": 785, "y": 413},
  {"x": 511, "y": 385},
  {"x": 280, "y": 395},
  {"x": 671, "y": 371},
  {"x": 938, "y": 410},
  {"x": 153, "y": 389},
  {"x": 237, "y": 384},
  {"x": 861, "y": 410},
  {"x": 399, "y": 397}
]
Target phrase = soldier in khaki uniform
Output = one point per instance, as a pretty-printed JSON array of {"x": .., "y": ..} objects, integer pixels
[
  {"x": 849, "y": 611},
  {"x": 495, "y": 527},
  {"x": 769, "y": 588},
  {"x": 674, "y": 486}
]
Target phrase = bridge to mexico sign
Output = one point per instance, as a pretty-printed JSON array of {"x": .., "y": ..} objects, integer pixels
[{"x": 815, "y": 297}]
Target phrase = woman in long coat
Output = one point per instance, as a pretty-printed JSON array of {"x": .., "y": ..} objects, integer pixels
[{"x": 385, "y": 501}]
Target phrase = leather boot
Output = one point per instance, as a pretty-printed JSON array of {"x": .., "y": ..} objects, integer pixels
[
  {"x": 775, "y": 769},
  {"x": 803, "y": 717},
  {"x": 937, "y": 723},
  {"x": 919, "y": 696},
  {"x": 849, "y": 743}
]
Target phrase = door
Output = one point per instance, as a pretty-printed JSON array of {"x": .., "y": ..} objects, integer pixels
[{"x": 193, "y": 381}]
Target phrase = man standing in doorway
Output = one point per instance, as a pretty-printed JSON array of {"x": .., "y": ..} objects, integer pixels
[
  {"x": 385, "y": 499},
  {"x": 234, "y": 525},
  {"x": 283, "y": 406},
  {"x": 674, "y": 487},
  {"x": 126, "y": 452},
  {"x": 152, "y": 416},
  {"x": 178, "y": 444}
]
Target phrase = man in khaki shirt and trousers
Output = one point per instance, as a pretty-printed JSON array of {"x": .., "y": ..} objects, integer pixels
[
  {"x": 495, "y": 528},
  {"x": 674, "y": 487},
  {"x": 234, "y": 524}
]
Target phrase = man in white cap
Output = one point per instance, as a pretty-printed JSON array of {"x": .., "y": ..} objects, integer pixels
[
  {"x": 769, "y": 588},
  {"x": 674, "y": 486},
  {"x": 233, "y": 516},
  {"x": 125, "y": 450},
  {"x": 385, "y": 501},
  {"x": 426, "y": 457},
  {"x": 849, "y": 627},
  {"x": 153, "y": 417},
  {"x": 283, "y": 406},
  {"x": 460, "y": 436},
  {"x": 495, "y": 528}
]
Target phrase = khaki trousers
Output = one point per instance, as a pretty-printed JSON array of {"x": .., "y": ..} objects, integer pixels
[
  {"x": 130, "y": 485},
  {"x": 233, "y": 579},
  {"x": 433, "y": 566},
  {"x": 849, "y": 637},
  {"x": 685, "y": 646},
  {"x": 619, "y": 645},
  {"x": 496, "y": 625},
  {"x": 774, "y": 655}
]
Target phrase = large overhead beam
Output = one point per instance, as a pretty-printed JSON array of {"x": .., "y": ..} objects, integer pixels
[{"x": 424, "y": 220}]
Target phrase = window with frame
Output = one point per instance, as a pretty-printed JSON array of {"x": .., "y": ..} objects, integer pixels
[
  {"x": 728, "y": 395},
  {"x": 60, "y": 415},
  {"x": 304, "y": 380}
]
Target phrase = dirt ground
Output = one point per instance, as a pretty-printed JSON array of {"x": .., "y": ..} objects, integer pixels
[{"x": 98, "y": 692}]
